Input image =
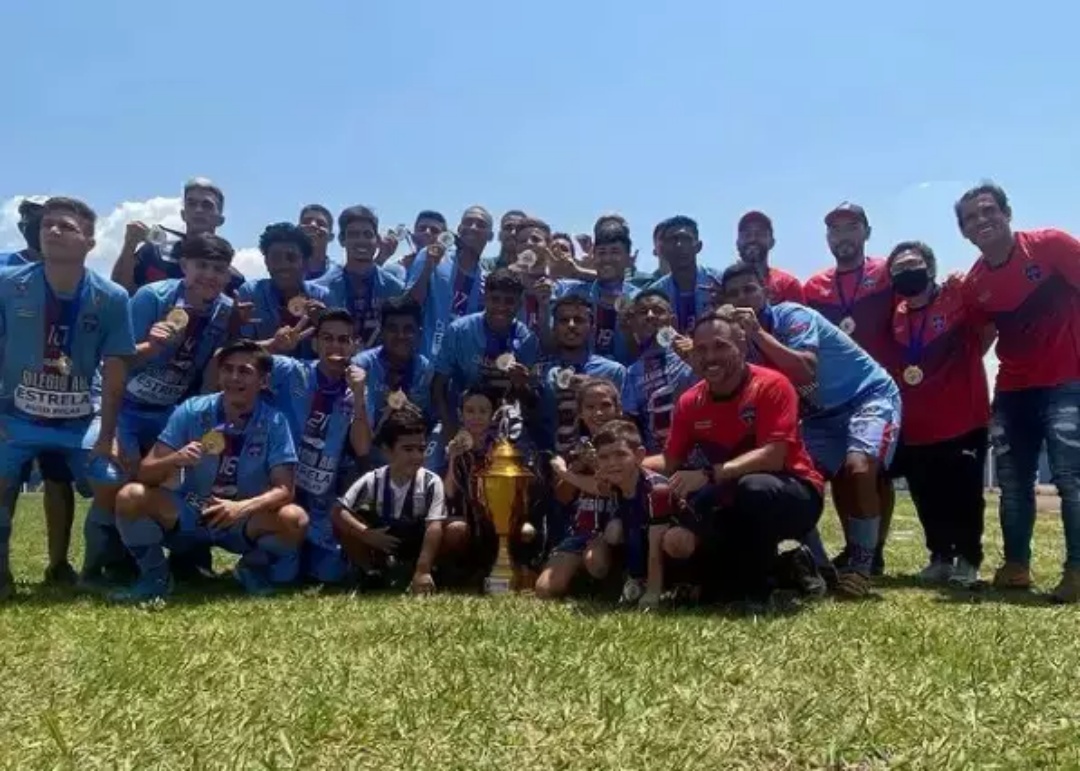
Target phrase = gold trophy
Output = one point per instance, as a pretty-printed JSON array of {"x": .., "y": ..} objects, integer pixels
[{"x": 504, "y": 484}]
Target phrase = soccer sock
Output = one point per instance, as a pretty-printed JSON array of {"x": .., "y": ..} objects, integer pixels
[
  {"x": 103, "y": 545},
  {"x": 817, "y": 549},
  {"x": 143, "y": 538},
  {"x": 284, "y": 558},
  {"x": 862, "y": 540}
]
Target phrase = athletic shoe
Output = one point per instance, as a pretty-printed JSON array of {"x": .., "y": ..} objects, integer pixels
[
  {"x": 632, "y": 592},
  {"x": 852, "y": 585},
  {"x": 938, "y": 571},
  {"x": 1012, "y": 575},
  {"x": 253, "y": 580},
  {"x": 62, "y": 574},
  {"x": 965, "y": 575},
  {"x": 1068, "y": 590},
  {"x": 796, "y": 567},
  {"x": 147, "y": 589}
]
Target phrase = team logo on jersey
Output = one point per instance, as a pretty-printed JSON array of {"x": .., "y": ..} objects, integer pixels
[
  {"x": 90, "y": 323},
  {"x": 869, "y": 282},
  {"x": 938, "y": 323},
  {"x": 748, "y": 415},
  {"x": 21, "y": 289},
  {"x": 1033, "y": 272},
  {"x": 799, "y": 327}
]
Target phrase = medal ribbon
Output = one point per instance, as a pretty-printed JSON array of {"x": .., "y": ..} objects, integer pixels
[
  {"x": 607, "y": 320},
  {"x": 532, "y": 311},
  {"x": 847, "y": 308},
  {"x": 362, "y": 305},
  {"x": 685, "y": 310},
  {"x": 322, "y": 403},
  {"x": 405, "y": 376},
  {"x": 185, "y": 351},
  {"x": 566, "y": 427},
  {"x": 915, "y": 344},
  {"x": 278, "y": 301},
  {"x": 226, "y": 474},
  {"x": 60, "y": 319},
  {"x": 461, "y": 286}
]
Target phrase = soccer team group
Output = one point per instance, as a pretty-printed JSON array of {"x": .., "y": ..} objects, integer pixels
[{"x": 332, "y": 423}]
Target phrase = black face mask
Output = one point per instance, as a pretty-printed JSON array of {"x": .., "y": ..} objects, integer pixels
[{"x": 910, "y": 283}]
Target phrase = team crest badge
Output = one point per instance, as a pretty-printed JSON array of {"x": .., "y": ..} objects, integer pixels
[
  {"x": 1033, "y": 272},
  {"x": 748, "y": 415},
  {"x": 938, "y": 323}
]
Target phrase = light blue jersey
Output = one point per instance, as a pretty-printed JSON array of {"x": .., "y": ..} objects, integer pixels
[
  {"x": 362, "y": 297},
  {"x": 469, "y": 351},
  {"x": 243, "y": 469},
  {"x": 687, "y": 307},
  {"x": 653, "y": 384},
  {"x": 271, "y": 311},
  {"x": 53, "y": 345},
  {"x": 845, "y": 372},
  {"x": 415, "y": 382},
  {"x": 452, "y": 294},
  {"x": 320, "y": 414},
  {"x": 558, "y": 406},
  {"x": 14, "y": 259},
  {"x": 608, "y": 340}
]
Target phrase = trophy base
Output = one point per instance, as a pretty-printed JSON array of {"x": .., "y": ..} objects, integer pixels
[{"x": 497, "y": 585}]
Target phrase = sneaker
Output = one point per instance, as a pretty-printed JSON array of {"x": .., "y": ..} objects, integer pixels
[
  {"x": 253, "y": 580},
  {"x": 62, "y": 574},
  {"x": 796, "y": 567},
  {"x": 146, "y": 589},
  {"x": 1012, "y": 575},
  {"x": 965, "y": 575},
  {"x": 632, "y": 592},
  {"x": 852, "y": 585},
  {"x": 938, "y": 571},
  {"x": 1068, "y": 590},
  {"x": 7, "y": 586}
]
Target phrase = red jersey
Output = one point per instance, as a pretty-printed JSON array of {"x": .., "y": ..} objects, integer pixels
[
  {"x": 944, "y": 340},
  {"x": 1034, "y": 302},
  {"x": 763, "y": 411},
  {"x": 782, "y": 287},
  {"x": 863, "y": 295}
]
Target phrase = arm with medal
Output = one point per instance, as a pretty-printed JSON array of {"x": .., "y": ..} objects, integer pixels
[
  {"x": 289, "y": 336},
  {"x": 799, "y": 366},
  {"x": 360, "y": 434}
]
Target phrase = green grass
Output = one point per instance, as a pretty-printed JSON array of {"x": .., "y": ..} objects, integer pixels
[{"x": 916, "y": 679}]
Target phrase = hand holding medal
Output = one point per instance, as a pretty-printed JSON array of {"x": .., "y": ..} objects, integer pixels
[
  {"x": 213, "y": 441},
  {"x": 460, "y": 444},
  {"x": 443, "y": 244},
  {"x": 505, "y": 361}
]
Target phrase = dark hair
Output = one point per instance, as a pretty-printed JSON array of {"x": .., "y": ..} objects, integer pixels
[
  {"x": 334, "y": 314},
  {"x": 469, "y": 393},
  {"x": 645, "y": 294},
  {"x": 913, "y": 246},
  {"x": 484, "y": 213},
  {"x": 575, "y": 300},
  {"x": 264, "y": 362},
  {"x": 605, "y": 220},
  {"x": 725, "y": 314},
  {"x": 431, "y": 214},
  {"x": 318, "y": 208},
  {"x": 533, "y": 223},
  {"x": 74, "y": 206},
  {"x": 678, "y": 221},
  {"x": 202, "y": 183},
  {"x": 401, "y": 305},
  {"x": 206, "y": 246},
  {"x": 512, "y": 213},
  {"x": 408, "y": 421},
  {"x": 564, "y": 237},
  {"x": 613, "y": 233},
  {"x": 357, "y": 214},
  {"x": 589, "y": 383},
  {"x": 739, "y": 270},
  {"x": 504, "y": 280},
  {"x": 617, "y": 431},
  {"x": 285, "y": 233},
  {"x": 983, "y": 188}
]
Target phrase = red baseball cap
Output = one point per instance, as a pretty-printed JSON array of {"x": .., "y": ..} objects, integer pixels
[{"x": 850, "y": 211}]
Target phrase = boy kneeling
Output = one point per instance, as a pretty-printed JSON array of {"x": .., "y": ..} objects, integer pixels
[{"x": 395, "y": 516}]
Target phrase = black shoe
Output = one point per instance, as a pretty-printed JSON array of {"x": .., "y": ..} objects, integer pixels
[
  {"x": 841, "y": 560},
  {"x": 797, "y": 568},
  {"x": 62, "y": 574}
]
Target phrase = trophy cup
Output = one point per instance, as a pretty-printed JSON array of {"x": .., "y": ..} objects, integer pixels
[{"x": 504, "y": 484}]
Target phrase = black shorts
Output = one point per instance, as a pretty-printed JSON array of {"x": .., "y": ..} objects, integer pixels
[{"x": 52, "y": 466}]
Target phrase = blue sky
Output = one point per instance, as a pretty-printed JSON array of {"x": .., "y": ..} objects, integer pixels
[{"x": 565, "y": 109}]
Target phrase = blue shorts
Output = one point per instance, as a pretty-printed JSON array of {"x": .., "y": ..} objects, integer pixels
[
  {"x": 25, "y": 440},
  {"x": 138, "y": 430},
  {"x": 574, "y": 544},
  {"x": 869, "y": 425},
  {"x": 191, "y": 532}
]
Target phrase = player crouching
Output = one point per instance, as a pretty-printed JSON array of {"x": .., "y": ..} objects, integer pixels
[{"x": 221, "y": 473}]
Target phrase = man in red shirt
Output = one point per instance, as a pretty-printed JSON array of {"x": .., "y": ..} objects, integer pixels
[
  {"x": 946, "y": 407},
  {"x": 763, "y": 487},
  {"x": 1027, "y": 284},
  {"x": 754, "y": 242}
]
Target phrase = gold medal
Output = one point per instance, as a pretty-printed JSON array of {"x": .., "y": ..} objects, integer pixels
[
  {"x": 564, "y": 377},
  {"x": 665, "y": 337},
  {"x": 913, "y": 375},
  {"x": 177, "y": 318},
  {"x": 395, "y": 400},
  {"x": 504, "y": 362},
  {"x": 213, "y": 442},
  {"x": 463, "y": 440},
  {"x": 63, "y": 365},
  {"x": 298, "y": 306},
  {"x": 847, "y": 324}
]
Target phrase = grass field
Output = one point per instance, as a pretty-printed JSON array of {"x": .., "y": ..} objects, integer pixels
[{"x": 916, "y": 679}]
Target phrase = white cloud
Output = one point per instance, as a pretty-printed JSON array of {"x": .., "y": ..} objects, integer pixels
[{"x": 110, "y": 232}]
